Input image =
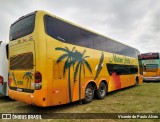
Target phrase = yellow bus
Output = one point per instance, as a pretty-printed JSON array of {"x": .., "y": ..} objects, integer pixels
[
  {"x": 54, "y": 62},
  {"x": 151, "y": 66}
]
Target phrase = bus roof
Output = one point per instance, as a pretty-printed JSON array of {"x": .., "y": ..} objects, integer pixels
[
  {"x": 44, "y": 12},
  {"x": 23, "y": 17}
]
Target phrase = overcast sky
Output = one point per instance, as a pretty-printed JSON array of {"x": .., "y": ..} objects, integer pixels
[{"x": 133, "y": 22}]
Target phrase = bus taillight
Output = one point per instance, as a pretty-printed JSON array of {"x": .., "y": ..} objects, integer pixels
[
  {"x": 1, "y": 80},
  {"x": 9, "y": 81},
  {"x": 38, "y": 80}
]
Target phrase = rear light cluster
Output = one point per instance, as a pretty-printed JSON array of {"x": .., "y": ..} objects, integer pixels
[
  {"x": 9, "y": 81},
  {"x": 1, "y": 80},
  {"x": 38, "y": 80}
]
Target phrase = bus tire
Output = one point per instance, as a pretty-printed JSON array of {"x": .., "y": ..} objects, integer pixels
[
  {"x": 89, "y": 94},
  {"x": 101, "y": 92},
  {"x": 136, "y": 81}
]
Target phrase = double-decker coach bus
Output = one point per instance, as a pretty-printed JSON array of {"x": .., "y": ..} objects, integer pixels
[
  {"x": 4, "y": 68},
  {"x": 151, "y": 66},
  {"x": 54, "y": 62}
]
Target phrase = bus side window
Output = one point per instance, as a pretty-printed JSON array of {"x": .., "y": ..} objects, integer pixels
[
  {"x": 100, "y": 43},
  {"x": 133, "y": 70},
  {"x": 60, "y": 30},
  {"x": 84, "y": 38}
]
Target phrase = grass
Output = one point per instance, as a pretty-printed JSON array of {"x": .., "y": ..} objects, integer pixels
[{"x": 144, "y": 98}]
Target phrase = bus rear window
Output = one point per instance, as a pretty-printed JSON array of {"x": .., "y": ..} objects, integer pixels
[
  {"x": 22, "y": 27},
  {"x": 22, "y": 61}
]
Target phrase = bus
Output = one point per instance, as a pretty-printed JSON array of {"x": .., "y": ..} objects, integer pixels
[
  {"x": 3, "y": 68},
  {"x": 53, "y": 61},
  {"x": 151, "y": 66}
]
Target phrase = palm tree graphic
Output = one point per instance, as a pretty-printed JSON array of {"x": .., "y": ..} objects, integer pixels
[
  {"x": 28, "y": 77},
  {"x": 68, "y": 55},
  {"x": 74, "y": 57},
  {"x": 14, "y": 79},
  {"x": 99, "y": 68},
  {"x": 80, "y": 58}
]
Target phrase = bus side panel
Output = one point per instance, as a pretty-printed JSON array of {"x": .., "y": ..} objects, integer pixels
[
  {"x": 57, "y": 83},
  {"x": 49, "y": 81},
  {"x": 128, "y": 80},
  {"x": 4, "y": 69},
  {"x": 60, "y": 85},
  {"x": 140, "y": 79}
]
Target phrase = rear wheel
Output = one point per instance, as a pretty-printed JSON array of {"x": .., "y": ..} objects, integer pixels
[
  {"x": 136, "y": 81},
  {"x": 89, "y": 94},
  {"x": 101, "y": 92}
]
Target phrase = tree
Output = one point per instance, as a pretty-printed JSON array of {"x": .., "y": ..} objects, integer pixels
[
  {"x": 81, "y": 61},
  {"x": 99, "y": 68},
  {"x": 28, "y": 77},
  {"x": 14, "y": 79},
  {"x": 68, "y": 56}
]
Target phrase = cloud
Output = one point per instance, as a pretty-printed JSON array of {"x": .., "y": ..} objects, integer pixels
[{"x": 133, "y": 22}]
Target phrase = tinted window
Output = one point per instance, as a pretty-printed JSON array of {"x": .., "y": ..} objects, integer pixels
[
  {"x": 60, "y": 30},
  {"x": 111, "y": 46},
  {"x": 84, "y": 38},
  {"x": 22, "y": 27},
  {"x": 100, "y": 43},
  {"x": 133, "y": 70},
  {"x": 69, "y": 33},
  {"x": 122, "y": 69},
  {"x": 132, "y": 52},
  {"x": 22, "y": 61}
]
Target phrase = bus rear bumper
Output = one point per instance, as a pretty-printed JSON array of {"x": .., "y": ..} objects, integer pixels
[
  {"x": 151, "y": 78},
  {"x": 29, "y": 98}
]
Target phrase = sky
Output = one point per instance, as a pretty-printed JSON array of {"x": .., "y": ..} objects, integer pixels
[{"x": 132, "y": 22}]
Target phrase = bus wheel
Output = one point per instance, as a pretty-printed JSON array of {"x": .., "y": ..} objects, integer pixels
[
  {"x": 136, "y": 81},
  {"x": 89, "y": 94},
  {"x": 101, "y": 92}
]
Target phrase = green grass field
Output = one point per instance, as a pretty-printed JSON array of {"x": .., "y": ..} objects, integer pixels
[{"x": 144, "y": 98}]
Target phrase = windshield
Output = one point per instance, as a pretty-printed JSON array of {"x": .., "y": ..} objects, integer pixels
[
  {"x": 150, "y": 67},
  {"x": 22, "y": 27}
]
